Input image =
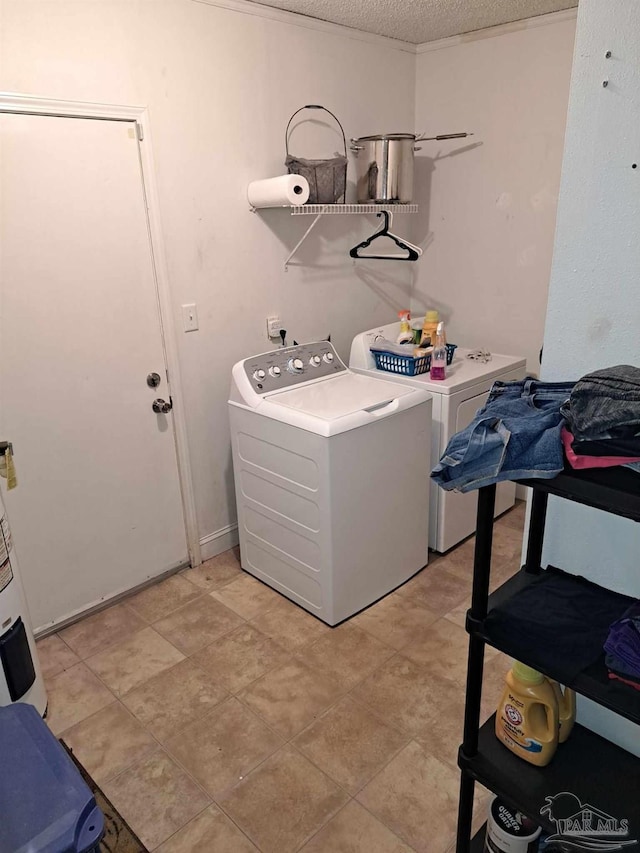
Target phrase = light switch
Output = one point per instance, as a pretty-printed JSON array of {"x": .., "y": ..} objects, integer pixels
[{"x": 190, "y": 317}]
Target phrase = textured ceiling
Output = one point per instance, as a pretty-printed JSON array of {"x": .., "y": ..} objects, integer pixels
[{"x": 418, "y": 21}]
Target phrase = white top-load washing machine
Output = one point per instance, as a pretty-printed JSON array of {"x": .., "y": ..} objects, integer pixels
[
  {"x": 456, "y": 399},
  {"x": 332, "y": 478}
]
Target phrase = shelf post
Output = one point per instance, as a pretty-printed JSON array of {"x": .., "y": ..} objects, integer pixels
[
  {"x": 482, "y": 552},
  {"x": 536, "y": 531},
  {"x": 465, "y": 813},
  {"x": 478, "y": 611},
  {"x": 475, "y": 663}
]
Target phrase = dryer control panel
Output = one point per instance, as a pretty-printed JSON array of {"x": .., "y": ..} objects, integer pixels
[{"x": 290, "y": 366}]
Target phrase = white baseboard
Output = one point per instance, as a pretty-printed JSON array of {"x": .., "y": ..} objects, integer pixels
[
  {"x": 211, "y": 545},
  {"x": 218, "y": 541},
  {"x": 103, "y": 603}
]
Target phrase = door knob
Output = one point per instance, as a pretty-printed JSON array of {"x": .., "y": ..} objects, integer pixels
[{"x": 161, "y": 407}]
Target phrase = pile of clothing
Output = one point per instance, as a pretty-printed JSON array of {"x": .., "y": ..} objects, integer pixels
[
  {"x": 622, "y": 648},
  {"x": 516, "y": 435},
  {"x": 602, "y": 417},
  {"x": 528, "y": 428}
]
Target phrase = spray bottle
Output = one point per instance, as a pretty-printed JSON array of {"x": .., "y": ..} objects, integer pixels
[
  {"x": 439, "y": 355},
  {"x": 406, "y": 335}
]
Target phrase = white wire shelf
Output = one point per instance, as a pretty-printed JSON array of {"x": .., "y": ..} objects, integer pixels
[
  {"x": 320, "y": 210},
  {"x": 315, "y": 209}
]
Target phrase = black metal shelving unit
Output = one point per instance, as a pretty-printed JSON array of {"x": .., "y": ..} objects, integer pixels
[{"x": 596, "y": 771}]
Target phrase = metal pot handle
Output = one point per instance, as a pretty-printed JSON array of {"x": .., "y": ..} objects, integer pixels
[
  {"x": 421, "y": 137},
  {"x": 313, "y": 107}
]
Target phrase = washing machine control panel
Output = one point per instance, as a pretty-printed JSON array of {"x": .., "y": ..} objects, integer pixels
[{"x": 290, "y": 366}]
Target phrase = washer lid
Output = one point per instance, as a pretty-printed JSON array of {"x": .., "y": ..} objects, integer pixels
[{"x": 340, "y": 396}]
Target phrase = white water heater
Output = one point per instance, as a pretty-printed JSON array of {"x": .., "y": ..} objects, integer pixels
[{"x": 20, "y": 676}]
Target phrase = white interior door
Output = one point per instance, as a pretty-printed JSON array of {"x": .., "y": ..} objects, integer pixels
[{"x": 98, "y": 507}]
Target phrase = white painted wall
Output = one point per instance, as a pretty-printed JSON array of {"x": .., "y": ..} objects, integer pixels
[
  {"x": 594, "y": 307},
  {"x": 220, "y": 84},
  {"x": 488, "y": 204}
]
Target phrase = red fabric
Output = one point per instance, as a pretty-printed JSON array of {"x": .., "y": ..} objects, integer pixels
[
  {"x": 634, "y": 684},
  {"x": 579, "y": 462}
]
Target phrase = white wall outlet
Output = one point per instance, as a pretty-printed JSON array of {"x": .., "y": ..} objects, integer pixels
[
  {"x": 190, "y": 317},
  {"x": 273, "y": 327}
]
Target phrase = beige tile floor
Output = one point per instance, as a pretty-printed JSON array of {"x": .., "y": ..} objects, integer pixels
[{"x": 221, "y": 718}]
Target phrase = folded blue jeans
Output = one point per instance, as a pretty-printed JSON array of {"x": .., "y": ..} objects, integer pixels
[{"x": 515, "y": 435}]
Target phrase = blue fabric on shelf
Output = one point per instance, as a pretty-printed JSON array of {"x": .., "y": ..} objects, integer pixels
[{"x": 622, "y": 645}]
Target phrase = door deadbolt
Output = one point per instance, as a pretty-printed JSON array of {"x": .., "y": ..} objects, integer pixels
[
  {"x": 153, "y": 380},
  {"x": 161, "y": 407}
]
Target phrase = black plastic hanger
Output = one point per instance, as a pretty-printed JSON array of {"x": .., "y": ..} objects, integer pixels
[{"x": 413, "y": 251}]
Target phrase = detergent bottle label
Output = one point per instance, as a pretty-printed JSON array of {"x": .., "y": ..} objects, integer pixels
[
  {"x": 526, "y": 720},
  {"x": 513, "y": 722}
]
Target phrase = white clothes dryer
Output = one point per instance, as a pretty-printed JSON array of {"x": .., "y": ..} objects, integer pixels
[
  {"x": 332, "y": 478},
  {"x": 456, "y": 399}
]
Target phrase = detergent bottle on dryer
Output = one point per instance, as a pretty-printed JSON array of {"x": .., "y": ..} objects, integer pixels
[
  {"x": 406, "y": 333},
  {"x": 527, "y": 719},
  {"x": 429, "y": 327}
]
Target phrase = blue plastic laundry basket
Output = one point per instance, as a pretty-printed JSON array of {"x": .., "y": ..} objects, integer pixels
[{"x": 406, "y": 365}]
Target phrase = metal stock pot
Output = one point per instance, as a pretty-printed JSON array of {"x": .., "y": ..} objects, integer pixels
[{"x": 384, "y": 166}]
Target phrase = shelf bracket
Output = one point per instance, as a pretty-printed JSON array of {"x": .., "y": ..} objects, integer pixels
[{"x": 301, "y": 240}]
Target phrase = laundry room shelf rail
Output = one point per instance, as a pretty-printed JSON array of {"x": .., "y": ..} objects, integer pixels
[{"x": 320, "y": 210}]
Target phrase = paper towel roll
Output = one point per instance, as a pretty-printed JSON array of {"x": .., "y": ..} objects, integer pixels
[{"x": 274, "y": 192}]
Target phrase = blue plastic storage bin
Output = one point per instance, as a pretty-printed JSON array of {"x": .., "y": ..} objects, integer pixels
[{"x": 45, "y": 806}]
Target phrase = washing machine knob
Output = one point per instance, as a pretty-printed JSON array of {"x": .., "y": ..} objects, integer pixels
[
  {"x": 259, "y": 375},
  {"x": 296, "y": 365},
  {"x": 315, "y": 360},
  {"x": 328, "y": 357},
  {"x": 275, "y": 371}
]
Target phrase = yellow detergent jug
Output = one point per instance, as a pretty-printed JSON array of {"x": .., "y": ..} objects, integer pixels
[
  {"x": 566, "y": 709},
  {"x": 527, "y": 718},
  {"x": 429, "y": 326}
]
